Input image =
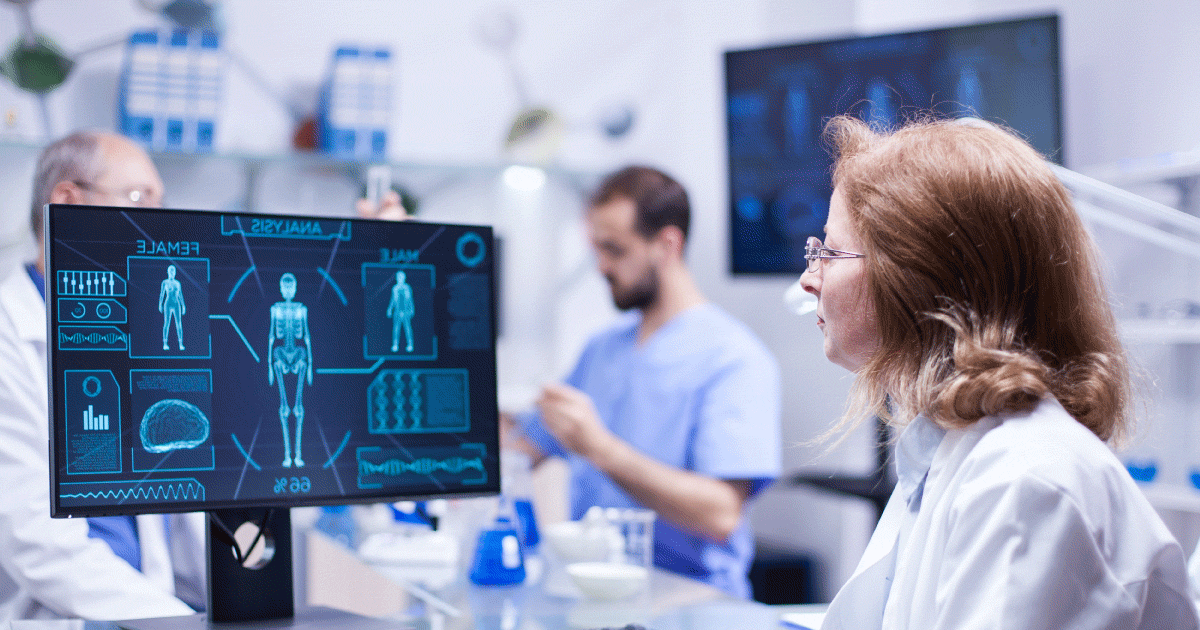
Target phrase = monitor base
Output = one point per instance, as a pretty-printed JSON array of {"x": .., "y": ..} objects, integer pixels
[
  {"x": 255, "y": 583},
  {"x": 316, "y": 618}
]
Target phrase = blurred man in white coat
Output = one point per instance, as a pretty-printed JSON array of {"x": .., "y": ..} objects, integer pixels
[{"x": 107, "y": 568}]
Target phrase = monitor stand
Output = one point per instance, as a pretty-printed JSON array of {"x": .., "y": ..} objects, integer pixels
[{"x": 261, "y": 597}]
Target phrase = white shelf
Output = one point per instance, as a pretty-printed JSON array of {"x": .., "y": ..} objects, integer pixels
[
  {"x": 421, "y": 178},
  {"x": 1164, "y": 167},
  {"x": 1172, "y": 498},
  {"x": 1160, "y": 330}
]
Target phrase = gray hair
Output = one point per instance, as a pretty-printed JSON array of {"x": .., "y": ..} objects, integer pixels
[{"x": 73, "y": 158}]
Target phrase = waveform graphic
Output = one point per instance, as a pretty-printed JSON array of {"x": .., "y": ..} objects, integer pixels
[
  {"x": 92, "y": 338},
  {"x": 423, "y": 466},
  {"x": 176, "y": 490}
]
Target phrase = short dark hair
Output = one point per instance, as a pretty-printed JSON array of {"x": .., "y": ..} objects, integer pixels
[
  {"x": 73, "y": 158},
  {"x": 659, "y": 199}
]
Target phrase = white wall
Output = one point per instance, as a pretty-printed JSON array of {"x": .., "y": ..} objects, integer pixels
[
  {"x": 1127, "y": 66},
  {"x": 1129, "y": 92}
]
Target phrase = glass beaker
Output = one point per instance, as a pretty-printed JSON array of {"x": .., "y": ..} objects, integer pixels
[{"x": 499, "y": 558}]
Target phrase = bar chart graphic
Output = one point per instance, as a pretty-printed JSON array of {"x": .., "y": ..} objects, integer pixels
[
  {"x": 93, "y": 421},
  {"x": 93, "y": 397}
]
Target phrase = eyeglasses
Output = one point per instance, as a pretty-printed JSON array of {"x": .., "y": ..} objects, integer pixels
[
  {"x": 815, "y": 251},
  {"x": 143, "y": 196}
]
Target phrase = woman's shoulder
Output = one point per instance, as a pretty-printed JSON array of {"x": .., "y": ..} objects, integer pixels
[
  {"x": 1044, "y": 431},
  {"x": 1044, "y": 449}
]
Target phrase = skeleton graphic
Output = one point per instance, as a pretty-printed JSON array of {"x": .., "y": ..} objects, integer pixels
[{"x": 289, "y": 326}]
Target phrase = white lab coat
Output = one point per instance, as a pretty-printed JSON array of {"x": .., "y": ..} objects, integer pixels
[
  {"x": 1025, "y": 522},
  {"x": 1194, "y": 576},
  {"x": 49, "y": 567}
]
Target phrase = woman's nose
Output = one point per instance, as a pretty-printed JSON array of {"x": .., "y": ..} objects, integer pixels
[
  {"x": 811, "y": 281},
  {"x": 800, "y": 297}
]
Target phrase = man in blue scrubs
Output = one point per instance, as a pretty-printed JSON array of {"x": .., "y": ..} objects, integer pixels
[{"x": 676, "y": 406}]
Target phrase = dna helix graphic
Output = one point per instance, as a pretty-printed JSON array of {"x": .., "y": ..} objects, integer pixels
[
  {"x": 140, "y": 492},
  {"x": 422, "y": 466},
  {"x": 93, "y": 337}
]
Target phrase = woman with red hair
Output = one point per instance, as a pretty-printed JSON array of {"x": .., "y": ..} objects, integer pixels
[{"x": 958, "y": 283}]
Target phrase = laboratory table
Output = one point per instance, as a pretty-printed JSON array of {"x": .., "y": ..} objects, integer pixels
[{"x": 670, "y": 603}]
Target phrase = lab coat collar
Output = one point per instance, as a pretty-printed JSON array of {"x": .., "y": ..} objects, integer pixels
[
  {"x": 914, "y": 454},
  {"x": 923, "y": 451},
  {"x": 860, "y": 602},
  {"x": 21, "y": 300}
]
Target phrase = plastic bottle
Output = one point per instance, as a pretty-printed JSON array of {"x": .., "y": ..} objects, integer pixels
[
  {"x": 337, "y": 522},
  {"x": 517, "y": 484}
]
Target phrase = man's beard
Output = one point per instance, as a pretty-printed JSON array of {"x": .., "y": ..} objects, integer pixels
[{"x": 640, "y": 295}]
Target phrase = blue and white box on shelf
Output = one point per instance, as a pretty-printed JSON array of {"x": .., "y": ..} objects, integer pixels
[
  {"x": 170, "y": 89},
  {"x": 355, "y": 103}
]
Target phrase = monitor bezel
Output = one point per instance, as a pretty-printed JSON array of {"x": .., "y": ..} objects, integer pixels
[
  {"x": 1057, "y": 157},
  {"x": 56, "y": 429}
]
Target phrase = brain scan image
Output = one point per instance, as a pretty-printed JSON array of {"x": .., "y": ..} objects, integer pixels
[{"x": 171, "y": 425}]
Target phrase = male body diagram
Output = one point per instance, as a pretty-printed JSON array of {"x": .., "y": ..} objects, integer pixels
[
  {"x": 289, "y": 327},
  {"x": 401, "y": 310}
]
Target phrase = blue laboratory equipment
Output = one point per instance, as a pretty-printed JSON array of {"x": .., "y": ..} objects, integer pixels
[
  {"x": 517, "y": 486},
  {"x": 170, "y": 89},
  {"x": 355, "y": 104},
  {"x": 337, "y": 522},
  {"x": 499, "y": 558},
  {"x": 527, "y": 522}
]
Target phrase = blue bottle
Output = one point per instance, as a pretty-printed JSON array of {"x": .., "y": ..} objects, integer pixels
[
  {"x": 337, "y": 522},
  {"x": 499, "y": 558},
  {"x": 517, "y": 483},
  {"x": 528, "y": 523}
]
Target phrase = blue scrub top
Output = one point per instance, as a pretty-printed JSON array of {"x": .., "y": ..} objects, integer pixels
[{"x": 703, "y": 395}]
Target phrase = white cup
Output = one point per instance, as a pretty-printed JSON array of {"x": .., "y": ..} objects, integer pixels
[{"x": 620, "y": 552}]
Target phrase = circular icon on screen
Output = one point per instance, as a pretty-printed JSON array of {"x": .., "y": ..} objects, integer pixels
[
  {"x": 470, "y": 249},
  {"x": 103, "y": 310},
  {"x": 91, "y": 386}
]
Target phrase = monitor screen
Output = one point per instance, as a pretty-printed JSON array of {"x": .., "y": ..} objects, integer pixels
[
  {"x": 205, "y": 360},
  {"x": 778, "y": 100}
]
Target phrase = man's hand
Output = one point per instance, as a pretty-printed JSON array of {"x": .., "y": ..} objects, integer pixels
[
  {"x": 571, "y": 417},
  {"x": 708, "y": 506},
  {"x": 389, "y": 208}
]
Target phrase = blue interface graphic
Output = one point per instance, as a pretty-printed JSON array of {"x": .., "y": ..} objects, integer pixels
[
  {"x": 779, "y": 99},
  {"x": 205, "y": 360}
]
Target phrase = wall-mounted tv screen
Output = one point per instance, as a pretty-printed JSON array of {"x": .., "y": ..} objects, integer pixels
[{"x": 778, "y": 100}]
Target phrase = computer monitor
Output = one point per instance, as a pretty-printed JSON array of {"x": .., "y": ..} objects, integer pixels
[
  {"x": 778, "y": 100},
  {"x": 236, "y": 363}
]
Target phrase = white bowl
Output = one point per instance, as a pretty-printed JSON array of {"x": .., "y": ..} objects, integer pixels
[
  {"x": 608, "y": 580},
  {"x": 578, "y": 541}
]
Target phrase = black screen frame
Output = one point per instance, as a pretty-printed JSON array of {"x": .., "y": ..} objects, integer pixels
[
  {"x": 57, "y": 427},
  {"x": 739, "y": 265}
]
